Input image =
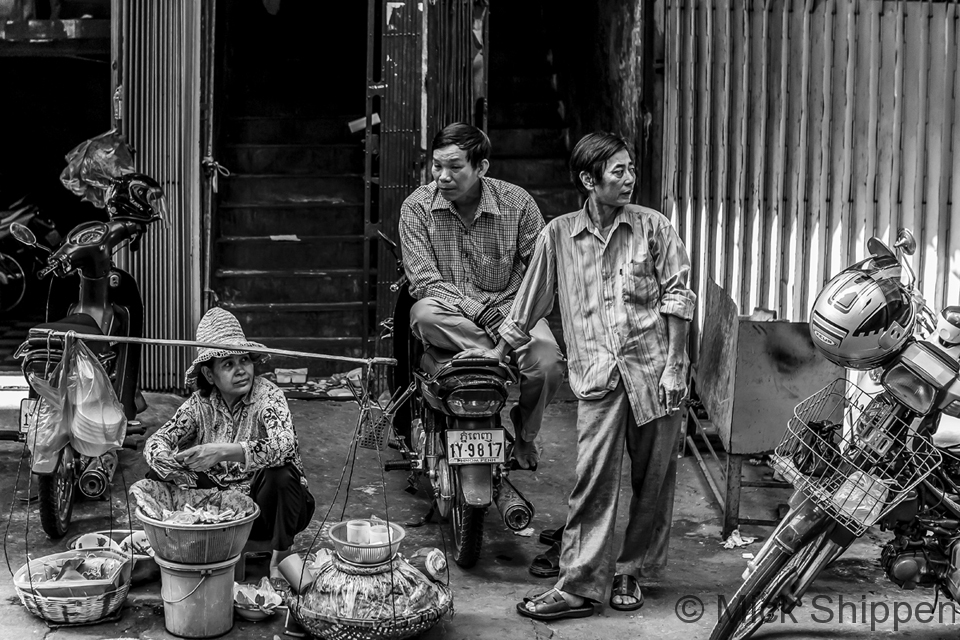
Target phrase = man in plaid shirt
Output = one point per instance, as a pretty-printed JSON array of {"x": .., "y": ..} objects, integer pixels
[{"x": 467, "y": 240}]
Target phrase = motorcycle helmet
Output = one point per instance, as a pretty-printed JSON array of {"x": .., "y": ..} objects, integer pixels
[
  {"x": 863, "y": 316},
  {"x": 135, "y": 196}
]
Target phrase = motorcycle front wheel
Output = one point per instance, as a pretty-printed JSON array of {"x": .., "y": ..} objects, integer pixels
[
  {"x": 467, "y": 525},
  {"x": 56, "y": 494},
  {"x": 758, "y": 600}
]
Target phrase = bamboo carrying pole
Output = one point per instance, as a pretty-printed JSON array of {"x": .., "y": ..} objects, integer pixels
[{"x": 213, "y": 345}]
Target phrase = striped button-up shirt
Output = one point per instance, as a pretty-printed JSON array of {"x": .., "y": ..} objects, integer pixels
[
  {"x": 614, "y": 294},
  {"x": 469, "y": 267}
]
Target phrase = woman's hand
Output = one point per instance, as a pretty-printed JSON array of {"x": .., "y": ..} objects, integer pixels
[{"x": 203, "y": 456}]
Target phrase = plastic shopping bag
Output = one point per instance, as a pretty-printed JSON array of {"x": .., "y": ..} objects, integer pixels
[
  {"x": 48, "y": 431},
  {"x": 97, "y": 423},
  {"x": 94, "y": 163}
]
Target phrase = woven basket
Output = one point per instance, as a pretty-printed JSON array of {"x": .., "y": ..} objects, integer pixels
[
  {"x": 76, "y": 609},
  {"x": 197, "y": 543},
  {"x": 386, "y": 628}
]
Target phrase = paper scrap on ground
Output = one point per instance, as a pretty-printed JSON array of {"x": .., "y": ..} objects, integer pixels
[
  {"x": 736, "y": 540},
  {"x": 526, "y": 533},
  {"x": 285, "y": 238},
  {"x": 747, "y": 555}
]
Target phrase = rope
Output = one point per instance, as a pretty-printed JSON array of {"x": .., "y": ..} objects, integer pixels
[{"x": 214, "y": 169}]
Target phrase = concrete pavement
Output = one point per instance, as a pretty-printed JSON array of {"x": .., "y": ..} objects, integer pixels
[{"x": 852, "y": 600}]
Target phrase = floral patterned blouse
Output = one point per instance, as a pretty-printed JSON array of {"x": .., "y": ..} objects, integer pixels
[{"x": 260, "y": 422}]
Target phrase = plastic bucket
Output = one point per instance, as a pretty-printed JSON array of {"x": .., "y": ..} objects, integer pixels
[{"x": 197, "y": 598}]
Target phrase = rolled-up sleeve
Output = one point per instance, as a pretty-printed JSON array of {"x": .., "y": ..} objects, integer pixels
[
  {"x": 181, "y": 427},
  {"x": 280, "y": 444},
  {"x": 673, "y": 270},
  {"x": 535, "y": 297}
]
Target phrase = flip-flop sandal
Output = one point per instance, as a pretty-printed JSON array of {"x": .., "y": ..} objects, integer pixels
[
  {"x": 550, "y": 536},
  {"x": 626, "y": 587},
  {"x": 554, "y": 607},
  {"x": 546, "y": 565}
]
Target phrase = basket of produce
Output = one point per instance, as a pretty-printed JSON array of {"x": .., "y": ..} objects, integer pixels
[
  {"x": 125, "y": 542},
  {"x": 392, "y": 600},
  {"x": 74, "y": 587},
  {"x": 194, "y": 526},
  {"x": 368, "y": 542}
]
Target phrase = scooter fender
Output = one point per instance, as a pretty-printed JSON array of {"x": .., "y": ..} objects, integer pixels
[
  {"x": 476, "y": 484},
  {"x": 48, "y": 465}
]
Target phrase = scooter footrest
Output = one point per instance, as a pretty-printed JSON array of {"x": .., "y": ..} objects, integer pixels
[{"x": 398, "y": 465}]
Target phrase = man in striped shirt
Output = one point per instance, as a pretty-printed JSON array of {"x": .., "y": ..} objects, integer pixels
[
  {"x": 466, "y": 242},
  {"x": 620, "y": 273}
]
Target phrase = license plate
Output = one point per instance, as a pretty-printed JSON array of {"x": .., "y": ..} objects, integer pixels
[
  {"x": 28, "y": 413},
  {"x": 475, "y": 447}
]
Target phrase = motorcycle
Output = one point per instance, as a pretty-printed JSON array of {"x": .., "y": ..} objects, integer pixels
[
  {"x": 106, "y": 302},
  {"x": 19, "y": 264},
  {"x": 450, "y": 435},
  {"x": 859, "y": 458}
]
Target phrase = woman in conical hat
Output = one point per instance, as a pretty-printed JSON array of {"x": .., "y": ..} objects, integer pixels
[{"x": 235, "y": 431}]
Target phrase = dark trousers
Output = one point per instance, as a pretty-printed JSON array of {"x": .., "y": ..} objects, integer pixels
[{"x": 286, "y": 506}]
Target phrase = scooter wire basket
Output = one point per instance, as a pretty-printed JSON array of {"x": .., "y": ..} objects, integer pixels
[
  {"x": 376, "y": 422},
  {"x": 853, "y": 455}
]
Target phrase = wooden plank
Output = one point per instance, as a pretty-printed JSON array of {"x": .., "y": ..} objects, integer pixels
[
  {"x": 671, "y": 116},
  {"x": 896, "y": 157},
  {"x": 953, "y": 267},
  {"x": 718, "y": 353},
  {"x": 801, "y": 211},
  {"x": 763, "y": 229},
  {"x": 920, "y": 173},
  {"x": 849, "y": 111},
  {"x": 780, "y": 63},
  {"x": 826, "y": 156},
  {"x": 707, "y": 203},
  {"x": 741, "y": 197},
  {"x": 912, "y": 34},
  {"x": 724, "y": 157},
  {"x": 869, "y": 197},
  {"x": 936, "y": 145},
  {"x": 815, "y": 209},
  {"x": 687, "y": 81},
  {"x": 948, "y": 128},
  {"x": 887, "y": 146}
]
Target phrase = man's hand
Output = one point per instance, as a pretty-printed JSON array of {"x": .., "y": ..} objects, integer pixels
[
  {"x": 526, "y": 453},
  {"x": 201, "y": 457},
  {"x": 673, "y": 388}
]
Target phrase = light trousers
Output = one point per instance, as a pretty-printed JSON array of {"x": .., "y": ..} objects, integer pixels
[
  {"x": 606, "y": 427},
  {"x": 541, "y": 364}
]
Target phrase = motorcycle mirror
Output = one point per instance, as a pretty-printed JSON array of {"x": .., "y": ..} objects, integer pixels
[
  {"x": 906, "y": 242},
  {"x": 23, "y": 234}
]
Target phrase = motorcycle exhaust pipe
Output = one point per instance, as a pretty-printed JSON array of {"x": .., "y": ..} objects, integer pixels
[
  {"x": 516, "y": 511},
  {"x": 97, "y": 475}
]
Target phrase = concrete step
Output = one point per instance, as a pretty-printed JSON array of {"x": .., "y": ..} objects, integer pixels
[
  {"x": 286, "y": 130},
  {"x": 539, "y": 171},
  {"x": 309, "y": 252},
  {"x": 318, "y": 320},
  {"x": 527, "y": 143},
  {"x": 306, "y": 219},
  {"x": 555, "y": 201},
  {"x": 347, "y": 346},
  {"x": 276, "y": 189},
  {"x": 294, "y": 158},
  {"x": 292, "y": 285},
  {"x": 521, "y": 115},
  {"x": 522, "y": 86}
]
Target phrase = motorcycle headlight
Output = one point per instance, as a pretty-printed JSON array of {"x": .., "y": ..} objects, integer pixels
[
  {"x": 475, "y": 403},
  {"x": 910, "y": 389}
]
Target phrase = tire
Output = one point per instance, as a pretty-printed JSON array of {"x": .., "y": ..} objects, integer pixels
[
  {"x": 467, "y": 525},
  {"x": 740, "y": 620},
  {"x": 56, "y": 495}
]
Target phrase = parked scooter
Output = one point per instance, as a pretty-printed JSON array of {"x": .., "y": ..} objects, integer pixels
[
  {"x": 856, "y": 458},
  {"x": 108, "y": 303},
  {"x": 452, "y": 435},
  {"x": 20, "y": 264}
]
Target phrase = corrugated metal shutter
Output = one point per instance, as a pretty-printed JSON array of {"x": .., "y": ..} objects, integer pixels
[
  {"x": 796, "y": 130},
  {"x": 157, "y": 61}
]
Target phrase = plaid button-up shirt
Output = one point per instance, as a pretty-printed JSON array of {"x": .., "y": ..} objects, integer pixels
[
  {"x": 614, "y": 294},
  {"x": 471, "y": 267},
  {"x": 260, "y": 422}
]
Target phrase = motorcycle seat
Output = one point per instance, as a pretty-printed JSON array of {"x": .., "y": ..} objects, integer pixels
[
  {"x": 79, "y": 322},
  {"x": 434, "y": 358}
]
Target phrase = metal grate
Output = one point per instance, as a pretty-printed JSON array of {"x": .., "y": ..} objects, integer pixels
[{"x": 157, "y": 51}]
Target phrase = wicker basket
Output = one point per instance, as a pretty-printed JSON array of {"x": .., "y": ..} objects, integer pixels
[
  {"x": 198, "y": 543},
  {"x": 75, "y": 609},
  {"x": 397, "y": 627}
]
